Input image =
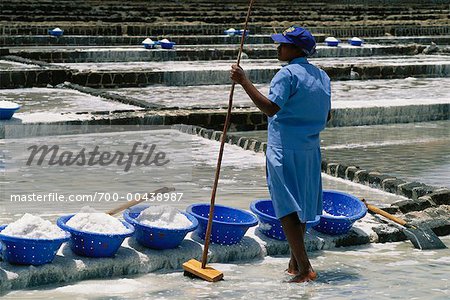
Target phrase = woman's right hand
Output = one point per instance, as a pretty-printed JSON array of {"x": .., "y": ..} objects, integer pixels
[{"x": 237, "y": 74}]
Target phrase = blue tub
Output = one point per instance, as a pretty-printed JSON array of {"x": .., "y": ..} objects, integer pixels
[
  {"x": 241, "y": 32},
  {"x": 229, "y": 224},
  {"x": 94, "y": 244},
  {"x": 269, "y": 224},
  {"x": 56, "y": 33},
  {"x": 26, "y": 251},
  {"x": 7, "y": 113},
  {"x": 332, "y": 41},
  {"x": 343, "y": 209},
  {"x": 231, "y": 31},
  {"x": 155, "y": 237},
  {"x": 355, "y": 42},
  {"x": 150, "y": 46},
  {"x": 164, "y": 45}
]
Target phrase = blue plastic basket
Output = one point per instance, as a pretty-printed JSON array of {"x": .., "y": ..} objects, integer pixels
[
  {"x": 269, "y": 224},
  {"x": 156, "y": 237},
  {"x": 355, "y": 42},
  {"x": 332, "y": 43},
  {"x": 344, "y": 210},
  {"x": 241, "y": 32},
  {"x": 55, "y": 33},
  {"x": 7, "y": 113},
  {"x": 94, "y": 244},
  {"x": 166, "y": 45},
  {"x": 150, "y": 46},
  {"x": 229, "y": 224},
  {"x": 231, "y": 32},
  {"x": 26, "y": 251}
]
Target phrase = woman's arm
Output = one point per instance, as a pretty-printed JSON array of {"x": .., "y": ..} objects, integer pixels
[{"x": 261, "y": 101}]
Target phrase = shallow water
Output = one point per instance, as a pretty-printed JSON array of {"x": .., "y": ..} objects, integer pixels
[
  {"x": 6, "y": 65},
  {"x": 191, "y": 171},
  {"x": 61, "y": 101},
  {"x": 375, "y": 271},
  {"x": 355, "y": 93},
  {"x": 414, "y": 151},
  {"x": 255, "y": 64}
]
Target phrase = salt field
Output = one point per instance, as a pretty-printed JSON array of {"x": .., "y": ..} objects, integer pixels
[
  {"x": 416, "y": 151},
  {"x": 53, "y": 104},
  {"x": 59, "y": 101},
  {"x": 259, "y": 64},
  {"x": 192, "y": 163},
  {"x": 10, "y": 65},
  {"x": 320, "y": 46},
  {"x": 382, "y": 92},
  {"x": 104, "y": 122}
]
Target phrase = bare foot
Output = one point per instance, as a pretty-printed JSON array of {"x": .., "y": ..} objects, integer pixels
[
  {"x": 292, "y": 269},
  {"x": 310, "y": 276}
]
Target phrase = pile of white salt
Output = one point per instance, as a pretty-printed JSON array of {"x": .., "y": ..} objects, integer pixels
[
  {"x": 8, "y": 105},
  {"x": 91, "y": 220},
  {"x": 148, "y": 41},
  {"x": 324, "y": 213},
  {"x": 163, "y": 216},
  {"x": 33, "y": 227},
  {"x": 331, "y": 39}
]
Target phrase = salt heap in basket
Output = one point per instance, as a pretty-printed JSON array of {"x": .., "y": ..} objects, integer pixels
[
  {"x": 91, "y": 220},
  {"x": 33, "y": 227},
  {"x": 163, "y": 217}
]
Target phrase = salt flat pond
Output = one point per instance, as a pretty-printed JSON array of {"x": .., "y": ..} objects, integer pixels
[
  {"x": 354, "y": 93},
  {"x": 190, "y": 170},
  {"x": 414, "y": 151},
  {"x": 255, "y": 63}
]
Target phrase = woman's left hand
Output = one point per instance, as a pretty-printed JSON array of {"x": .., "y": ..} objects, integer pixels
[{"x": 237, "y": 74}]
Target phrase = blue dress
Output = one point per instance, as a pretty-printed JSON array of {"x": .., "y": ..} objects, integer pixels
[{"x": 293, "y": 159}]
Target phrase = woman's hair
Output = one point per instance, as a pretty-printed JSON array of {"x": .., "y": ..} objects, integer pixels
[{"x": 300, "y": 50}]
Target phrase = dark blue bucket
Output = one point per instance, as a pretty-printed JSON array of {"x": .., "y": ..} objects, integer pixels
[
  {"x": 94, "y": 244},
  {"x": 168, "y": 45},
  {"x": 150, "y": 46},
  {"x": 269, "y": 224},
  {"x": 26, "y": 251},
  {"x": 7, "y": 113},
  {"x": 229, "y": 224},
  {"x": 342, "y": 211},
  {"x": 55, "y": 33},
  {"x": 333, "y": 43},
  {"x": 355, "y": 42},
  {"x": 155, "y": 237}
]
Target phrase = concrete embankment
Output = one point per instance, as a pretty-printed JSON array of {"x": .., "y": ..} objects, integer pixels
[{"x": 184, "y": 74}]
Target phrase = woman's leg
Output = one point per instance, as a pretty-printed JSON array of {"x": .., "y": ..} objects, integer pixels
[
  {"x": 292, "y": 266},
  {"x": 295, "y": 234}
]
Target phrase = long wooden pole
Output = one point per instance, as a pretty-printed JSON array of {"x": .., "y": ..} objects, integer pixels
[{"x": 222, "y": 144}]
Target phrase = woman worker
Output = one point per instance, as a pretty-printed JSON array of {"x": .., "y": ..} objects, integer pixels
[{"x": 297, "y": 107}]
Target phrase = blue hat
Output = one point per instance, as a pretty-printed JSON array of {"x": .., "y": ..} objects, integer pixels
[{"x": 298, "y": 36}]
